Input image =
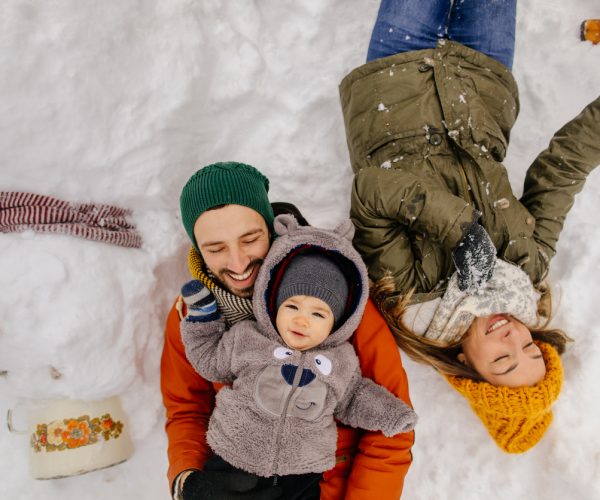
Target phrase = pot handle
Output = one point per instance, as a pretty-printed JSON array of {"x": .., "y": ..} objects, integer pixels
[{"x": 10, "y": 425}]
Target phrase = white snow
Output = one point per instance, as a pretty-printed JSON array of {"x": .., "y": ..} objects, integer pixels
[{"x": 120, "y": 101}]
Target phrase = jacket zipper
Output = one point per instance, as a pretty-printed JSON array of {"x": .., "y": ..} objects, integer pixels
[
  {"x": 278, "y": 432},
  {"x": 466, "y": 185}
]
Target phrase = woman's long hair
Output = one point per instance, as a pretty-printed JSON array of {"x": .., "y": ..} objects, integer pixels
[{"x": 441, "y": 356}]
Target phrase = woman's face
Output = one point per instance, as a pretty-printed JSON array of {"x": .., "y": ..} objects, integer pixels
[{"x": 501, "y": 349}]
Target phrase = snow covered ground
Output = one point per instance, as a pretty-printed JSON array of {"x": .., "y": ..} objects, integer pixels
[{"x": 120, "y": 101}]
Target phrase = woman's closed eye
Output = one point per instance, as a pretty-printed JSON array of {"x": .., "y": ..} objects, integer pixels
[
  {"x": 527, "y": 348},
  {"x": 533, "y": 351}
]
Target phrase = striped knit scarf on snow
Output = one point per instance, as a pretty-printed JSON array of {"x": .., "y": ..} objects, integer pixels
[
  {"x": 232, "y": 307},
  {"x": 44, "y": 214}
]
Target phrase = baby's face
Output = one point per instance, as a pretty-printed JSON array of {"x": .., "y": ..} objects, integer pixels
[{"x": 304, "y": 321}]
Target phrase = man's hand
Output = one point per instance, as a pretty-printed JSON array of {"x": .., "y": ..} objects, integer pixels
[
  {"x": 474, "y": 258},
  {"x": 226, "y": 485},
  {"x": 201, "y": 304}
]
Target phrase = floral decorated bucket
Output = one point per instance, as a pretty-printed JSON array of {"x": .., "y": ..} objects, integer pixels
[{"x": 69, "y": 437}]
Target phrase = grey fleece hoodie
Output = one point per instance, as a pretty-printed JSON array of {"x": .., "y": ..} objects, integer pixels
[{"x": 277, "y": 418}]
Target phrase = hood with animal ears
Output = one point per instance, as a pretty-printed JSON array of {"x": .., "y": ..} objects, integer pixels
[{"x": 292, "y": 240}]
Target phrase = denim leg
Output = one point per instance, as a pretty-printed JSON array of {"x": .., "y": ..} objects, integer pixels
[
  {"x": 405, "y": 25},
  {"x": 485, "y": 25}
]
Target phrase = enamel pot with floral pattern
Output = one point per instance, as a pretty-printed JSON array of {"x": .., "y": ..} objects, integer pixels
[{"x": 69, "y": 437}]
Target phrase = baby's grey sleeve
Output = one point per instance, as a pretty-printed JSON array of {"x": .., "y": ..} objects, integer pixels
[{"x": 367, "y": 405}]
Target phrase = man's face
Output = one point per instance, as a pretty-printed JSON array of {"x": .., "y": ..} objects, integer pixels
[{"x": 233, "y": 241}]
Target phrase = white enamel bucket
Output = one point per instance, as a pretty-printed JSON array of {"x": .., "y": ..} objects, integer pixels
[{"x": 70, "y": 437}]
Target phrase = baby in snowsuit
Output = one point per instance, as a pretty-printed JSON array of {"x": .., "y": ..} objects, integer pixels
[{"x": 292, "y": 369}]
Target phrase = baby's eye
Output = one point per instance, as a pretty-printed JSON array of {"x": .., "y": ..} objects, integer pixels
[
  {"x": 282, "y": 352},
  {"x": 319, "y": 315},
  {"x": 291, "y": 306},
  {"x": 324, "y": 364}
]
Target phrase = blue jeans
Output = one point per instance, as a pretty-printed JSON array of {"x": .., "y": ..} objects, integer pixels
[{"x": 484, "y": 25}]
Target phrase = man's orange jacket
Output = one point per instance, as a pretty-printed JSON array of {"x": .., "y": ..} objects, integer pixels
[{"x": 368, "y": 465}]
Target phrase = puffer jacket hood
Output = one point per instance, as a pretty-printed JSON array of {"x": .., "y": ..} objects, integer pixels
[{"x": 292, "y": 240}]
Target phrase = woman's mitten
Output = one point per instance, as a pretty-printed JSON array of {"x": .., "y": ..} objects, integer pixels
[
  {"x": 474, "y": 258},
  {"x": 201, "y": 304}
]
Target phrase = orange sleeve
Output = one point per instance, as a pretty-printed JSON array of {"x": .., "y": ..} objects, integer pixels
[
  {"x": 189, "y": 401},
  {"x": 381, "y": 463}
]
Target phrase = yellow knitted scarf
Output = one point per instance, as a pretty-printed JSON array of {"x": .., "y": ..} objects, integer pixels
[
  {"x": 232, "y": 307},
  {"x": 196, "y": 265}
]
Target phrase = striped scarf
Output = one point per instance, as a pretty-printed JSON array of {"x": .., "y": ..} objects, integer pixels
[
  {"x": 232, "y": 307},
  {"x": 44, "y": 214}
]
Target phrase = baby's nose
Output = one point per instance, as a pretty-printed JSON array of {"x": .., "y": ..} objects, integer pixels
[{"x": 300, "y": 319}]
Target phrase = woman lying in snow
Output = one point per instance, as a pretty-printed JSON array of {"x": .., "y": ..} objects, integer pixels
[{"x": 458, "y": 263}]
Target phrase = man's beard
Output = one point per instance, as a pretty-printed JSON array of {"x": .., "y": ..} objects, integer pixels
[{"x": 240, "y": 292}]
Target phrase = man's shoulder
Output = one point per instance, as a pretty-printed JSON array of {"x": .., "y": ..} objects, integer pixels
[
  {"x": 373, "y": 333},
  {"x": 372, "y": 315},
  {"x": 282, "y": 207}
]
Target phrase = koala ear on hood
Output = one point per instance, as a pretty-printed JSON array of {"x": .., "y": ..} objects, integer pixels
[
  {"x": 285, "y": 224},
  {"x": 345, "y": 229}
]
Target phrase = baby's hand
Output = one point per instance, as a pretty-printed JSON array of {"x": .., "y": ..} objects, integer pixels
[{"x": 201, "y": 304}]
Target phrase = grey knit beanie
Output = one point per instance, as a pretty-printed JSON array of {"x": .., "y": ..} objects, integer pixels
[{"x": 316, "y": 276}]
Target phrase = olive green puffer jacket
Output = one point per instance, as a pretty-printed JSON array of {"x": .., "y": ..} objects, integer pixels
[{"x": 427, "y": 131}]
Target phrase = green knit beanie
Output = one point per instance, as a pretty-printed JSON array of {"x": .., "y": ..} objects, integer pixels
[{"x": 227, "y": 183}]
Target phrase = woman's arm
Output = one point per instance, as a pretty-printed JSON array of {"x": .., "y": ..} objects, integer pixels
[
  {"x": 559, "y": 173},
  {"x": 388, "y": 204}
]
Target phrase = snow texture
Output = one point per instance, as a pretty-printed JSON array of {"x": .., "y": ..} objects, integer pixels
[{"x": 120, "y": 101}]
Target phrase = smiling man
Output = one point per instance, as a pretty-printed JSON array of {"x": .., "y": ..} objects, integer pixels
[
  {"x": 234, "y": 251},
  {"x": 227, "y": 215}
]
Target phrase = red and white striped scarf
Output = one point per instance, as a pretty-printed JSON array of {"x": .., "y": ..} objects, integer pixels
[{"x": 22, "y": 211}]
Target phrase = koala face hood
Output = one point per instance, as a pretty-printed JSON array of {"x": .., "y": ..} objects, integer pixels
[{"x": 292, "y": 240}]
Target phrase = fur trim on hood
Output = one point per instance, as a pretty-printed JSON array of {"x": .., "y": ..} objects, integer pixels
[{"x": 292, "y": 240}]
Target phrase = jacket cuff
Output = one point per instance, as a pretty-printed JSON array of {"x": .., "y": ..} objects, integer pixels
[
  {"x": 459, "y": 227},
  {"x": 177, "y": 486}
]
